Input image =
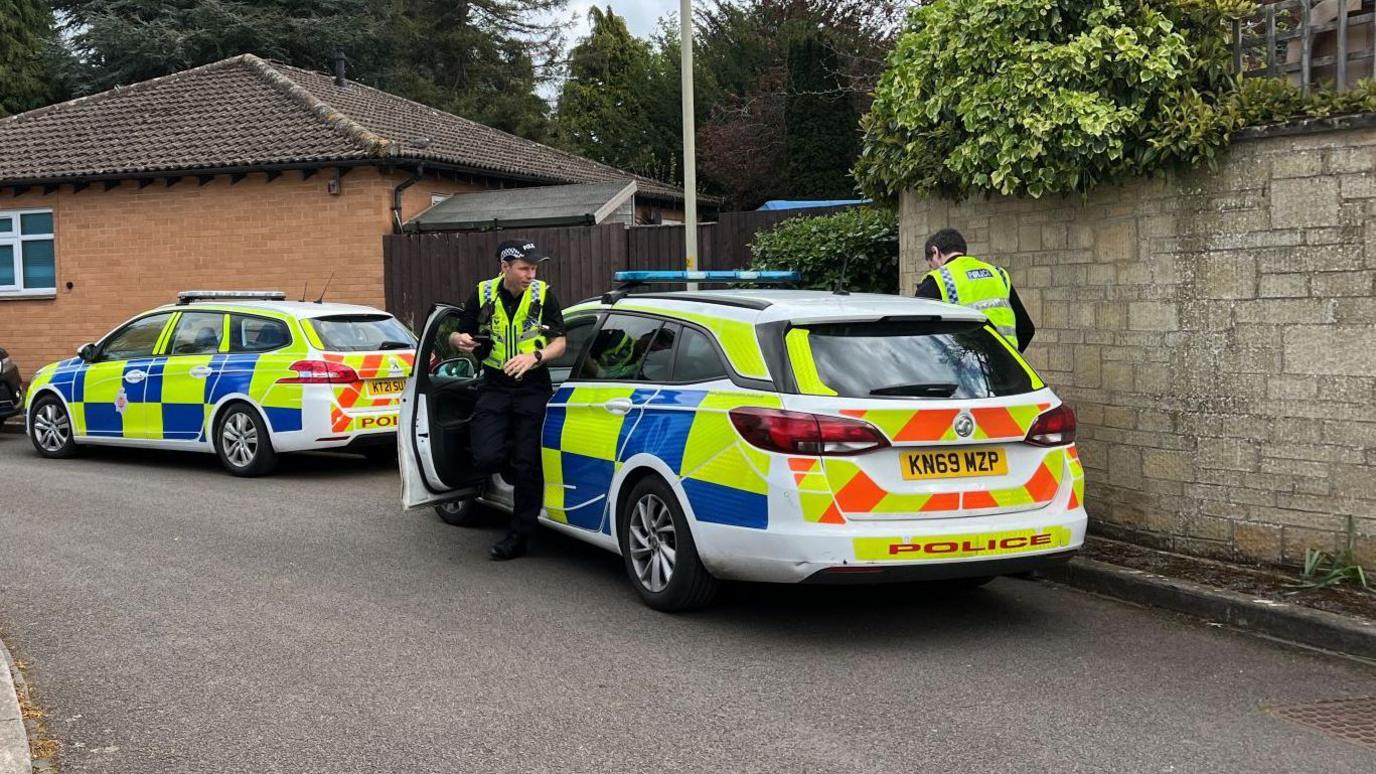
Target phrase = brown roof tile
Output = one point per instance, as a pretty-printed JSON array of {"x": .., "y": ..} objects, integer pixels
[{"x": 248, "y": 112}]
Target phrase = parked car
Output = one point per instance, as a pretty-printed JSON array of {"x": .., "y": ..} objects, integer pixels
[
  {"x": 775, "y": 435},
  {"x": 11, "y": 388},
  {"x": 247, "y": 375}
]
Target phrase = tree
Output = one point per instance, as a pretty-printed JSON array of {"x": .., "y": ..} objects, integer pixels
[
  {"x": 1033, "y": 97},
  {"x": 604, "y": 108},
  {"x": 29, "y": 50},
  {"x": 125, "y": 41},
  {"x": 481, "y": 59},
  {"x": 822, "y": 125}
]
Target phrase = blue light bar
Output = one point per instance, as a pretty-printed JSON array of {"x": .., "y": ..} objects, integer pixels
[{"x": 707, "y": 276}]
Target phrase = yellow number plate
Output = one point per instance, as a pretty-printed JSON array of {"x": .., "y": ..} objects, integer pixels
[
  {"x": 380, "y": 387},
  {"x": 958, "y": 463}
]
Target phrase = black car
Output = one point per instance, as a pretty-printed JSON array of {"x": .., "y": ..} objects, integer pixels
[{"x": 11, "y": 398}]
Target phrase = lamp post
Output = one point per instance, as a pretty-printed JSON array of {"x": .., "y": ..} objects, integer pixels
[{"x": 690, "y": 166}]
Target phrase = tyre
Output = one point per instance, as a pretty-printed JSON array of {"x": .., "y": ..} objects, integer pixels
[
  {"x": 660, "y": 556},
  {"x": 50, "y": 428},
  {"x": 243, "y": 443},
  {"x": 459, "y": 513}
]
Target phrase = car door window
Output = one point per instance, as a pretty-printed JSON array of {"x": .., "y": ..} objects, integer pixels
[
  {"x": 619, "y": 347},
  {"x": 257, "y": 334},
  {"x": 137, "y": 339},
  {"x": 698, "y": 360},
  {"x": 576, "y": 338},
  {"x": 198, "y": 333},
  {"x": 659, "y": 356}
]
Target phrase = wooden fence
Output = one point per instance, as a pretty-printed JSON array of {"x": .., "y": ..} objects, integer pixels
[
  {"x": 423, "y": 269},
  {"x": 1309, "y": 42}
]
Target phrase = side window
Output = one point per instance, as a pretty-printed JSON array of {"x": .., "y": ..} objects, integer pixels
[
  {"x": 698, "y": 360},
  {"x": 579, "y": 332},
  {"x": 659, "y": 357},
  {"x": 257, "y": 334},
  {"x": 619, "y": 347},
  {"x": 136, "y": 339},
  {"x": 198, "y": 333}
]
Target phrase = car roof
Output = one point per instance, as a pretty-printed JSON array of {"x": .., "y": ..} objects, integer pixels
[
  {"x": 795, "y": 305},
  {"x": 298, "y": 309}
]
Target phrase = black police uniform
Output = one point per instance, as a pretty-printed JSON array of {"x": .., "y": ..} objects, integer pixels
[{"x": 510, "y": 413}]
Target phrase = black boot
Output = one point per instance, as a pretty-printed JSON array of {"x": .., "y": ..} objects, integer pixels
[{"x": 509, "y": 547}]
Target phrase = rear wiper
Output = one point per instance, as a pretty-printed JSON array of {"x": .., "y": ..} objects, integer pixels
[
  {"x": 394, "y": 345},
  {"x": 925, "y": 390}
]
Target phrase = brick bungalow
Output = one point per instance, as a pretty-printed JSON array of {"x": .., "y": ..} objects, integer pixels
[{"x": 243, "y": 173}]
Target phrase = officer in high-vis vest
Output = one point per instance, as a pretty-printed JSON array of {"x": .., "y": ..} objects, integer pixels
[
  {"x": 514, "y": 324},
  {"x": 957, "y": 278}
]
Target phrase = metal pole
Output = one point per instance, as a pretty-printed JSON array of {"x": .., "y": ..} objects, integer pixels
[{"x": 690, "y": 163}]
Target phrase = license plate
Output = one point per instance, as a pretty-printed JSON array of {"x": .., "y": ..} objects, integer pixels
[
  {"x": 959, "y": 463},
  {"x": 387, "y": 387}
]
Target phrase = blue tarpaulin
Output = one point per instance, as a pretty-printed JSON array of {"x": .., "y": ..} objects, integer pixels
[{"x": 800, "y": 204}]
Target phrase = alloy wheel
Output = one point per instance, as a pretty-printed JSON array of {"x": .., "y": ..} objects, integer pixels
[
  {"x": 653, "y": 543},
  {"x": 52, "y": 427},
  {"x": 239, "y": 438}
]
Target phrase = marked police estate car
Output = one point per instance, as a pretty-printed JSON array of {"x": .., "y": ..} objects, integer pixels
[
  {"x": 775, "y": 435},
  {"x": 244, "y": 374}
]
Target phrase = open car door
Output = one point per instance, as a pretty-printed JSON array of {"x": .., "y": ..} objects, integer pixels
[{"x": 435, "y": 453}]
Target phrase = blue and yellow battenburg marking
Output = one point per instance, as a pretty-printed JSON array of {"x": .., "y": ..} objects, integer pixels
[{"x": 725, "y": 479}]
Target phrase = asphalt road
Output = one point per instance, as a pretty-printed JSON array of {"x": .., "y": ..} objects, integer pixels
[{"x": 180, "y": 620}]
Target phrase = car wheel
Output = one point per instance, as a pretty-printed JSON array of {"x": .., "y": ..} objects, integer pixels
[
  {"x": 660, "y": 556},
  {"x": 459, "y": 513},
  {"x": 243, "y": 444},
  {"x": 50, "y": 429}
]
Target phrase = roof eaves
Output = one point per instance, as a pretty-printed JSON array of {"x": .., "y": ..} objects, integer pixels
[{"x": 374, "y": 144}]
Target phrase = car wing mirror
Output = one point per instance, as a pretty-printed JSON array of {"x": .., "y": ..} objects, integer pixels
[{"x": 87, "y": 352}]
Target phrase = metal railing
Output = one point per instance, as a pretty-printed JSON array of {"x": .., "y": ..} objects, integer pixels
[{"x": 1309, "y": 43}]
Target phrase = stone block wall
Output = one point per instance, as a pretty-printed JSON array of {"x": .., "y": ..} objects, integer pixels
[{"x": 1215, "y": 330}]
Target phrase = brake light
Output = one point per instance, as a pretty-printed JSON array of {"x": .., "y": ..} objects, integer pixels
[
  {"x": 1054, "y": 428},
  {"x": 320, "y": 372},
  {"x": 794, "y": 432}
]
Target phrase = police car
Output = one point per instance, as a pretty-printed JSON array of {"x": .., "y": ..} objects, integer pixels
[
  {"x": 244, "y": 374},
  {"x": 774, "y": 435}
]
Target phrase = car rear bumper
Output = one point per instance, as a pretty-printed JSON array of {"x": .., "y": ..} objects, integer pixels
[
  {"x": 893, "y": 551},
  {"x": 11, "y": 398}
]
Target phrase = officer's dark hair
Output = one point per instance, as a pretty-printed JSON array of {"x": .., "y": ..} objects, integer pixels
[{"x": 947, "y": 240}]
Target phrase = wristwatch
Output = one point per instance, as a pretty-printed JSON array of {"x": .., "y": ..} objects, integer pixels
[{"x": 539, "y": 356}]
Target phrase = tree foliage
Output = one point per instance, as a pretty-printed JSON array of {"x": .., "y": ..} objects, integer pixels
[
  {"x": 607, "y": 110},
  {"x": 822, "y": 122},
  {"x": 29, "y": 56},
  {"x": 1032, "y": 97},
  {"x": 860, "y": 243}
]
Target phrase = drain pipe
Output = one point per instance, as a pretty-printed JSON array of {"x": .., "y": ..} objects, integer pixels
[{"x": 399, "y": 190}]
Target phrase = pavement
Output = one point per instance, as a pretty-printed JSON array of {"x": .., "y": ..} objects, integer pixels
[
  {"x": 177, "y": 619},
  {"x": 14, "y": 740}
]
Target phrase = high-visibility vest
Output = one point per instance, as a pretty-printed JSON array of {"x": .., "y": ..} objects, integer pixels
[
  {"x": 519, "y": 334},
  {"x": 970, "y": 282}
]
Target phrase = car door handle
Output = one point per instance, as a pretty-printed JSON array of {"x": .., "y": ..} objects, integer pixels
[
  {"x": 618, "y": 405},
  {"x": 200, "y": 372},
  {"x": 134, "y": 377}
]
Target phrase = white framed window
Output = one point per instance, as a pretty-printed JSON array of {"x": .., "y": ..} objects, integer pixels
[{"x": 28, "y": 257}]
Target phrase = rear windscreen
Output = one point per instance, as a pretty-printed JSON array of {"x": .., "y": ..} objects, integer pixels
[
  {"x": 902, "y": 359},
  {"x": 360, "y": 333}
]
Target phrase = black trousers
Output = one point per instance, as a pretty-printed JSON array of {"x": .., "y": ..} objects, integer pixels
[{"x": 505, "y": 433}]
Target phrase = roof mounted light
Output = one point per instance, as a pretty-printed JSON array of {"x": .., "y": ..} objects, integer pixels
[
  {"x": 188, "y": 296},
  {"x": 642, "y": 277}
]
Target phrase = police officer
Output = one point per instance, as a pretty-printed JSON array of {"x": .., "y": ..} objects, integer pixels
[
  {"x": 514, "y": 323},
  {"x": 958, "y": 278}
]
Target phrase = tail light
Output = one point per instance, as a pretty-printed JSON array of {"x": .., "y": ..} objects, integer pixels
[
  {"x": 793, "y": 432},
  {"x": 1054, "y": 428},
  {"x": 320, "y": 372}
]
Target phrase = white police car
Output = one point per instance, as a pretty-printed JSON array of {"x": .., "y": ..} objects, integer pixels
[
  {"x": 775, "y": 435},
  {"x": 244, "y": 374}
]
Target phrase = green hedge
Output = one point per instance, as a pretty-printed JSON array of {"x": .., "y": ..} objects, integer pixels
[
  {"x": 818, "y": 247},
  {"x": 1034, "y": 97}
]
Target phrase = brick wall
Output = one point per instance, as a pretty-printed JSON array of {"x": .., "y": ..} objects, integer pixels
[
  {"x": 1215, "y": 331},
  {"x": 129, "y": 249}
]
